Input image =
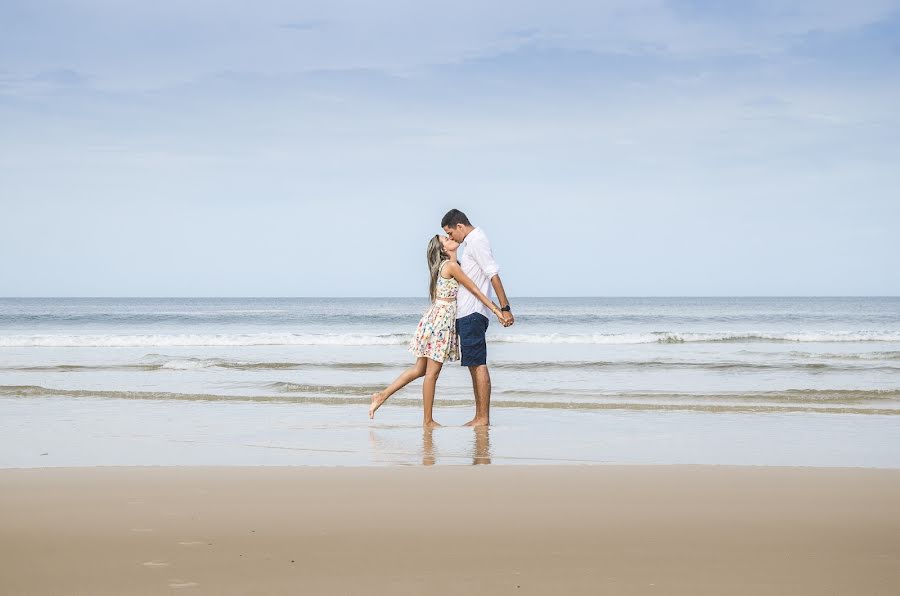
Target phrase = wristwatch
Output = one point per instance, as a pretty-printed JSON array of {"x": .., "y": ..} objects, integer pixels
[{"x": 506, "y": 309}]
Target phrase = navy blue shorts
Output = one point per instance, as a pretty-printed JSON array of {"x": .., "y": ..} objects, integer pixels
[{"x": 471, "y": 330}]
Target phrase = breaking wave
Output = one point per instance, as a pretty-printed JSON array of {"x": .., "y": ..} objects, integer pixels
[
  {"x": 158, "y": 340},
  {"x": 356, "y": 339},
  {"x": 672, "y": 337},
  {"x": 191, "y": 364}
]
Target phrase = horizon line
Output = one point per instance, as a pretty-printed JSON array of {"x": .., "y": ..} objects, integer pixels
[{"x": 661, "y": 296}]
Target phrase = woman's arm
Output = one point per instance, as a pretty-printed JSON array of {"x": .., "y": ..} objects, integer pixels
[{"x": 456, "y": 273}]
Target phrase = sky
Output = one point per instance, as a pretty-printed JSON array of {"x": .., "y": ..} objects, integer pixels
[{"x": 291, "y": 148}]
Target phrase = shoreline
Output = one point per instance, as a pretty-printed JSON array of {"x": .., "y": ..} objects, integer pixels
[
  {"x": 625, "y": 529},
  {"x": 62, "y": 432}
]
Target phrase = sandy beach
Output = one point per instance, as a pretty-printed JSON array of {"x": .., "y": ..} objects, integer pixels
[{"x": 450, "y": 530}]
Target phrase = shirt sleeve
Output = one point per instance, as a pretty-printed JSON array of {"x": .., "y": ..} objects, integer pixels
[{"x": 483, "y": 256}]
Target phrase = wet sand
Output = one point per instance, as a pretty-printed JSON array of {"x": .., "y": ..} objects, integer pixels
[{"x": 450, "y": 530}]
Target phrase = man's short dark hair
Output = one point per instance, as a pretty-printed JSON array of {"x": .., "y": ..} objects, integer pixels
[{"x": 453, "y": 218}]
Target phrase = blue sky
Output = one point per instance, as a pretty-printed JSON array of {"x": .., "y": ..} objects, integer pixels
[{"x": 311, "y": 148}]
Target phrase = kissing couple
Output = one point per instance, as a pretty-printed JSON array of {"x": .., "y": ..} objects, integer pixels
[{"x": 458, "y": 317}]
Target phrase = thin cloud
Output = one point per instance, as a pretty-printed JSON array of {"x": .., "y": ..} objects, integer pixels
[
  {"x": 63, "y": 77},
  {"x": 305, "y": 25}
]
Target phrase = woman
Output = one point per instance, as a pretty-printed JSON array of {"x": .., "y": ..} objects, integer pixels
[{"x": 435, "y": 341}]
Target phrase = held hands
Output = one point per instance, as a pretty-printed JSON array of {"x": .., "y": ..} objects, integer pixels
[{"x": 506, "y": 318}]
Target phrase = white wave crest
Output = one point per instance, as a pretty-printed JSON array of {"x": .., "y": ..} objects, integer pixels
[
  {"x": 257, "y": 339},
  {"x": 351, "y": 339},
  {"x": 680, "y": 337},
  {"x": 187, "y": 364}
]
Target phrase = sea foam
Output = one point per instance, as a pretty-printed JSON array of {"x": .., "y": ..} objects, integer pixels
[{"x": 354, "y": 339}]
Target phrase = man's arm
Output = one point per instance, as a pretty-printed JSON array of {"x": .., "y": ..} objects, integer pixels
[{"x": 508, "y": 318}]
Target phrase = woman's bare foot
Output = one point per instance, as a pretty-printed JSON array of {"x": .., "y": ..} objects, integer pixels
[
  {"x": 431, "y": 424},
  {"x": 377, "y": 400}
]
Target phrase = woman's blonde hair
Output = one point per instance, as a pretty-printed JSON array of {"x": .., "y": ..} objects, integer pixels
[{"x": 435, "y": 255}]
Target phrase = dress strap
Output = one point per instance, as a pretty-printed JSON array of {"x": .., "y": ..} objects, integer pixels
[{"x": 441, "y": 268}]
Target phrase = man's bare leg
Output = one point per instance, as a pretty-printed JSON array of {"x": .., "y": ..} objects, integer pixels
[{"x": 481, "y": 385}]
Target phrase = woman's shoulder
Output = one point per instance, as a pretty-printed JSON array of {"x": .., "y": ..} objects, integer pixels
[{"x": 448, "y": 267}]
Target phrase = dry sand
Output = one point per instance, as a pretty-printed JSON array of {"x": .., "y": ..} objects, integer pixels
[{"x": 452, "y": 530}]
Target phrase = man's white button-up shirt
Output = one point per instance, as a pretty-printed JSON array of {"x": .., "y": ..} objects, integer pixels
[{"x": 478, "y": 263}]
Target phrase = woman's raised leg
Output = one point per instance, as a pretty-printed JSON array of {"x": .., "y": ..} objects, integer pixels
[{"x": 416, "y": 371}]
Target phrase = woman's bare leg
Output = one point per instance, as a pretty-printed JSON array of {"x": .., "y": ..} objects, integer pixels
[
  {"x": 416, "y": 371},
  {"x": 432, "y": 372}
]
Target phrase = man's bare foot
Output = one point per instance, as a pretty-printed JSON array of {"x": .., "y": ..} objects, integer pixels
[
  {"x": 377, "y": 400},
  {"x": 478, "y": 422},
  {"x": 431, "y": 424}
]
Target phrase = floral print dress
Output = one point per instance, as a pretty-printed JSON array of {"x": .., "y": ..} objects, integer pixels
[{"x": 436, "y": 336}]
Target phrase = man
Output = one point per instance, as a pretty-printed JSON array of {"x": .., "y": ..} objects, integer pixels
[{"x": 471, "y": 316}]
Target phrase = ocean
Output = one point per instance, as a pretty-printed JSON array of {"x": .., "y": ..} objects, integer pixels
[{"x": 286, "y": 381}]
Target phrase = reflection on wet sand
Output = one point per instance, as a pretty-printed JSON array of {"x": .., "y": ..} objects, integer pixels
[
  {"x": 428, "y": 457},
  {"x": 481, "y": 452},
  {"x": 457, "y": 448},
  {"x": 479, "y": 447}
]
